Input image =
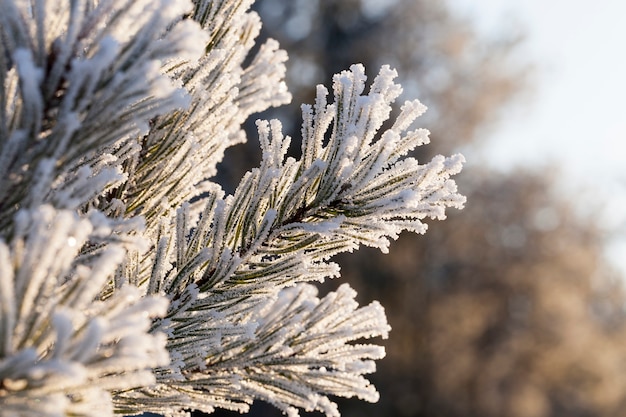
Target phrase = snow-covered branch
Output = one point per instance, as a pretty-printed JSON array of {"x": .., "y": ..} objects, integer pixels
[
  {"x": 64, "y": 348},
  {"x": 284, "y": 222},
  {"x": 188, "y": 144},
  {"x": 129, "y": 282},
  {"x": 288, "y": 217},
  {"x": 80, "y": 82}
]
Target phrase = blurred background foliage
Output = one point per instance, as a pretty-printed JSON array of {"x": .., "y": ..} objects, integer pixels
[{"x": 508, "y": 308}]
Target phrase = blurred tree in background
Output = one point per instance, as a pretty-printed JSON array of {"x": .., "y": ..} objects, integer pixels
[
  {"x": 463, "y": 77},
  {"x": 509, "y": 309}
]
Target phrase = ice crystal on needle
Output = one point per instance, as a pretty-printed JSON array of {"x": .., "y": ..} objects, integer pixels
[{"x": 129, "y": 281}]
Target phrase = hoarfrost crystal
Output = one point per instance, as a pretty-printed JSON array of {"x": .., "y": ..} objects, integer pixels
[{"x": 129, "y": 281}]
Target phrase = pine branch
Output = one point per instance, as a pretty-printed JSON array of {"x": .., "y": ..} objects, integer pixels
[
  {"x": 81, "y": 81},
  {"x": 120, "y": 289},
  {"x": 288, "y": 217},
  {"x": 187, "y": 145},
  {"x": 64, "y": 348},
  {"x": 297, "y": 354},
  {"x": 284, "y": 222}
]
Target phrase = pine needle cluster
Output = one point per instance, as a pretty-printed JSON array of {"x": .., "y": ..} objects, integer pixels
[{"x": 129, "y": 281}]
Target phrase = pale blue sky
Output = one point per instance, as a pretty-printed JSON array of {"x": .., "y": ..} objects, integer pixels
[{"x": 575, "y": 120}]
